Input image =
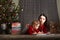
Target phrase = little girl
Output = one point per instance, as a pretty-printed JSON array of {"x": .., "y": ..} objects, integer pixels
[{"x": 33, "y": 29}]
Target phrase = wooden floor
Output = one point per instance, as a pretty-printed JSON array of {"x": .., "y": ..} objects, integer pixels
[{"x": 31, "y": 37}]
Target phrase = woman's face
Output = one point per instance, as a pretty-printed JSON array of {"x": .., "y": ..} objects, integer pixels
[{"x": 42, "y": 19}]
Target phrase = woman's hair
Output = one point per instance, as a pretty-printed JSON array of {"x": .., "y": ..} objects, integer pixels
[
  {"x": 45, "y": 17},
  {"x": 46, "y": 22}
]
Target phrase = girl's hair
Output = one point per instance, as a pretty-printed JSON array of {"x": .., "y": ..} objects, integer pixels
[{"x": 33, "y": 22}]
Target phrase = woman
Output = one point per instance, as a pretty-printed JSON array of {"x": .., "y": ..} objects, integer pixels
[{"x": 44, "y": 27}]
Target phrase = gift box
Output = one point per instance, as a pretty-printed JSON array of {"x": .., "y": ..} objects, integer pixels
[{"x": 16, "y": 28}]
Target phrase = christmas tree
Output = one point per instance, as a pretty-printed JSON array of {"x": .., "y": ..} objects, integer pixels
[{"x": 8, "y": 11}]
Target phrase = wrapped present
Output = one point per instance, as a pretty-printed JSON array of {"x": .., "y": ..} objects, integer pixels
[{"x": 16, "y": 28}]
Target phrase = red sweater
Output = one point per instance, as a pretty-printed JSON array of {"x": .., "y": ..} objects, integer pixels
[
  {"x": 43, "y": 28},
  {"x": 31, "y": 30}
]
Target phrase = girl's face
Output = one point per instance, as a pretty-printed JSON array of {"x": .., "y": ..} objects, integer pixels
[
  {"x": 42, "y": 19},
  {"x": 37, "y": 24}
]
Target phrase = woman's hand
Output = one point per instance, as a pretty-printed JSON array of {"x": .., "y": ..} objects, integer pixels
[
  {"x": 48, "y": 33},
  {"x": 40, "y": 32}
]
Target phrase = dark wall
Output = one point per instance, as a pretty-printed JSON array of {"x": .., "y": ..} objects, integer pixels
[
  {"x": 33, "y": 8},
  {"x": 49, "y": 7}
]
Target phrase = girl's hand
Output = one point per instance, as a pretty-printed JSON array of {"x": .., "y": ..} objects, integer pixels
[{"x": 34, "y": 33}]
